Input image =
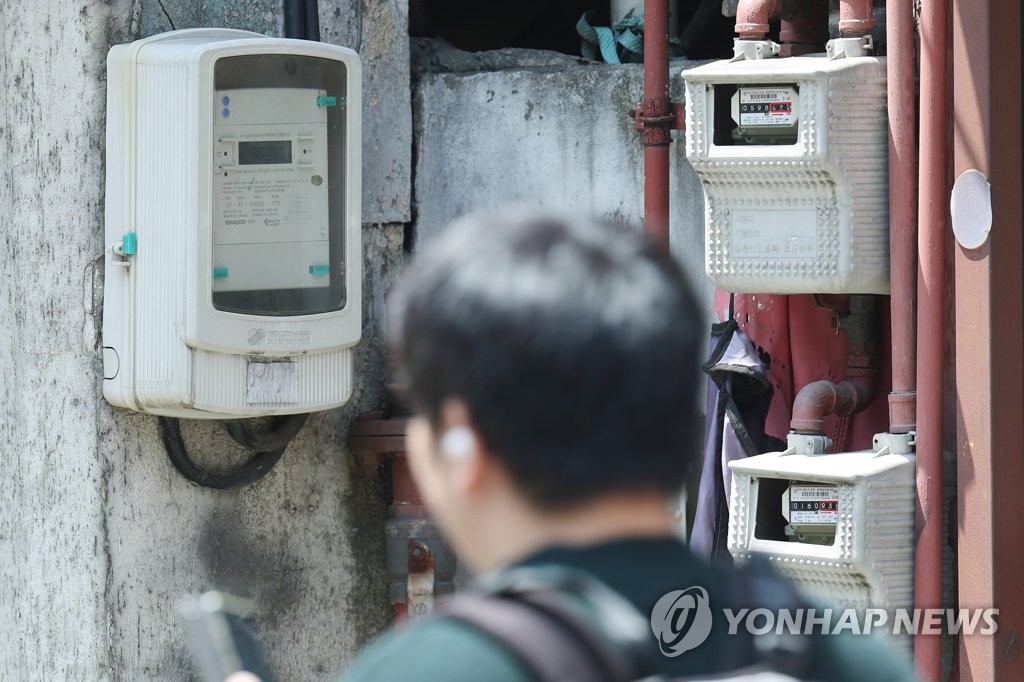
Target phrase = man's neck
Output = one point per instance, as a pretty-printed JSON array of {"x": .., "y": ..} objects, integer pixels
[{"x": 517, "y": 530}]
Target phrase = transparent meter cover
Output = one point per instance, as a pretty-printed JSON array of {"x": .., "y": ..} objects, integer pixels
[{"x": 278, "y": 185}]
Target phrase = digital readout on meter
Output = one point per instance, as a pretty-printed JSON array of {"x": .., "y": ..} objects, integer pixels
[
  {"x": 813, "y": 504},
  {"x": 264, "y": 152}
]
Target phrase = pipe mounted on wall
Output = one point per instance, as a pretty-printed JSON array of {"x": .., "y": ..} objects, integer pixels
[
  {"x": 931, "y": 283},
  {"x": 899, "y": 19},
  {"x": 655, "y": 113}
]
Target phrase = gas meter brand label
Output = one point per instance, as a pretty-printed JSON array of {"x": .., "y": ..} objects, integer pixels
[
  {"x": 766, "y": 106},
  {"x": 813, "y": 504}
]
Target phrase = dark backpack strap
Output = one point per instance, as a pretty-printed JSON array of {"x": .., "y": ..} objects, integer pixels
[
  {"x": 739, "y": 650},
  {"x": 541, "y": 625},
  {"x": 546, "y": 644},
  {"x": 757, "y": 584},
  {"x": 618, "y": 656}
]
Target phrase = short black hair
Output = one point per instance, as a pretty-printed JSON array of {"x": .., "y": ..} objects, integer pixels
[{"x": 573, "y": 342}]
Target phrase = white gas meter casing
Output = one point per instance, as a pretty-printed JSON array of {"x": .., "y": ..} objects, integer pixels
[
  {"x": 867, "y": 499},
  {"x": 793, "y": 156},
  {"x": 233, "y": 257}
]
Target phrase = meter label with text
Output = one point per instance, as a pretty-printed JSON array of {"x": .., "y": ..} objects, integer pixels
[
  {"x": 766, "y": 106},
  {"x": 774, "y": 233},
  {"x": 813, "y": 504}
]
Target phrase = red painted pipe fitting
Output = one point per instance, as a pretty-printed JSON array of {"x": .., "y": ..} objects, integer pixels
[
  {"x": 752, "y": 17},
  {"x": 855, "y": 18},
  {"x": 821, "y": 398}
]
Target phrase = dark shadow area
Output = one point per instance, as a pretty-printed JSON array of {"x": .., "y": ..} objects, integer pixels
[{"x": 532, "y": 24}]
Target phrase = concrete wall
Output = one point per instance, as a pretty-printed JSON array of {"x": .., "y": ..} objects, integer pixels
[
  {"x": 99, "y": 536},
  {"x": 524, "y": 126}
]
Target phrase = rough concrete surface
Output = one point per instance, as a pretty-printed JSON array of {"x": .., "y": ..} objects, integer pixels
[
  {"x": 99, "y": 536},
  {"x": 53, "y": 543},
  {"x": 377, "y": 30},
  {"x": 555, "y": 134},
  {"x": 429, "y": 55}
]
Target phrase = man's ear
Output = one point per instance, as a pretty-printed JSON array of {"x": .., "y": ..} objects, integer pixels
[{"x": 466, "y": 458}]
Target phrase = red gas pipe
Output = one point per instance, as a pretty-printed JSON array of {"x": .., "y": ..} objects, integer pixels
[
  {"x": 752, "y": 17},
  {"x": 821, "y": 398},
  {"x": 855, "y": 18},
  {"x": 899, "y": 18},
  {"x": 656, "y": 115},
  {"x": 933, "y": 215}
]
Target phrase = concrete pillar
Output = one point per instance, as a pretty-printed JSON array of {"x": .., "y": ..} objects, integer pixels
[
  {"x": 54, "y": 543},
  {"x": 99, "y": 536}
]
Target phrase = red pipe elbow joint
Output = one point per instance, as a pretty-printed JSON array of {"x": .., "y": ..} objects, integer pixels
[{"x": 821, "y": 398}]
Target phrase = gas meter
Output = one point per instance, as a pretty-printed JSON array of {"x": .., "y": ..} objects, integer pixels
[
  {"x": 793, "y": 156},
  {"x": 839, "y": 525},
  {"x": 232, "y": 225}
]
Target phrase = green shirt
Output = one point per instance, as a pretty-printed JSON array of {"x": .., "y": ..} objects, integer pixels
[{"x": 642, "y": 570}]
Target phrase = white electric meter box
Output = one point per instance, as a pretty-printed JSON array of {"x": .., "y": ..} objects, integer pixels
[
  {"x": 793, "y": 156},
  {"x": 233, "y": 254},
  {"x": 839, "y": 525}
]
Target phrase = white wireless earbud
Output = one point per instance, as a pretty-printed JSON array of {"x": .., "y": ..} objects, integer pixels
[{"x": 458, "y": 442}]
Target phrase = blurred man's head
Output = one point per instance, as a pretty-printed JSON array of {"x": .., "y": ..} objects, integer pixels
[{"x": 551, "y": 362}]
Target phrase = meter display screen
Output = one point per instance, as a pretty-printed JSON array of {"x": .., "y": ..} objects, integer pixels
[{"x": 264, "y": 152}]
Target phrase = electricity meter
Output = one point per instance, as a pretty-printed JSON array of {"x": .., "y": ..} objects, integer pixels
[
  {"x": 793, "y": 156},
  {"x": 233, "y": 253}
]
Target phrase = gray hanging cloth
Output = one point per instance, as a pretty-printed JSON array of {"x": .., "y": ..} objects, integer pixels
[{"x": 739, "y": 394}]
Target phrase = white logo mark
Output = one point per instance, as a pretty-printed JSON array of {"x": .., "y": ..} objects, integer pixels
[{"x": 681, "y": 620}]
